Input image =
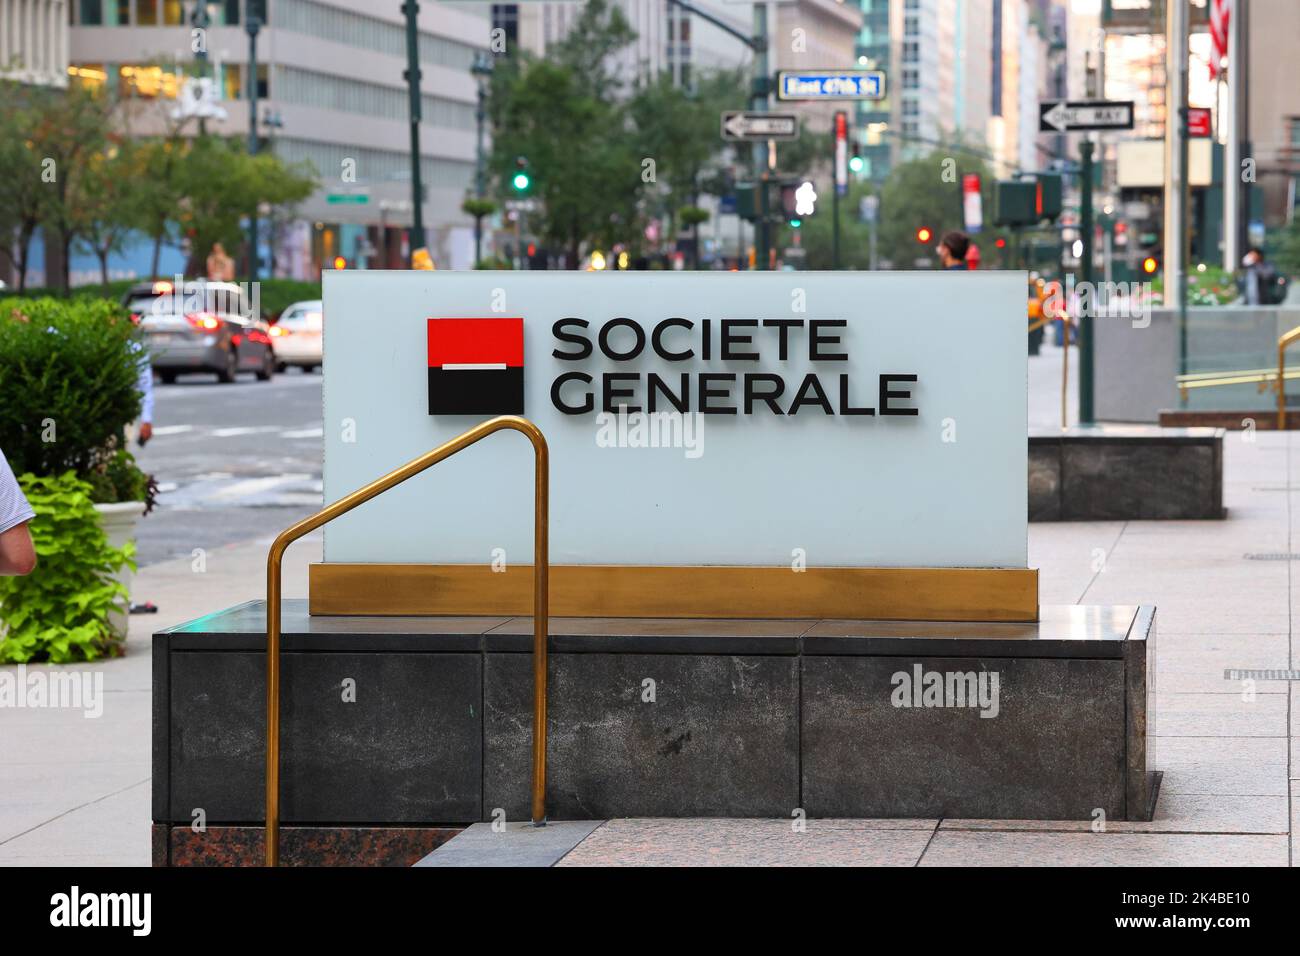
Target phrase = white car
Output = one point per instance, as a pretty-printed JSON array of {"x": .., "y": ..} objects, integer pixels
[{"x": 297, "y": 335}]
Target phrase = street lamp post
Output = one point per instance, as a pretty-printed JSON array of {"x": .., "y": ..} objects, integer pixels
[
  {"x": 412, "y": 10},
  {"x": 252, "y": 24},
  {"x": 482, "y": 70},
  {"x": 199, "y": 20}
]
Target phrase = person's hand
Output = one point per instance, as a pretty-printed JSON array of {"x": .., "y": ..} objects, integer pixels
[{"x": 146, "y": 432}]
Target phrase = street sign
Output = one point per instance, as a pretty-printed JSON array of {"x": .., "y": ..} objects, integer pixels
[
  {"x": 1199, "y": 123},
  {"x": 841, "y": 152},
  {"x": 740, "y": 126},
  {"x": 1065, "y": 116},
  {"x": 830, "y": 85},
  {"x": 339, "y": 199},
  {"x": 869, "y": 208}
]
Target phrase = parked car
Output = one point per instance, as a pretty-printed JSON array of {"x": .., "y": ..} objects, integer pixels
[
  {"x": 205, "y": 327},
  {"x": 297, "y": 335}
]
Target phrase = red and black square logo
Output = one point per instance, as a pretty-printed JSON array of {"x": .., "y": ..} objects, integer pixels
[{"x": 476, "y": 366}]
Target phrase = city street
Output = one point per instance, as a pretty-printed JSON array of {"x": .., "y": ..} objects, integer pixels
[{"x": 232, "y": 461}]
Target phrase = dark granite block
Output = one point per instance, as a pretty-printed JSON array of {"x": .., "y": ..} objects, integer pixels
[
  {"x": 1111, "y": 481},
  {"x": 644, "y": 635},
  {"x": 721, "y": 738},
  {"x": 160, "y": 746},
  {"x": 306, "y": 846},
  {"x": 1055, "y": 750},
  {"x": 406, "y": 751},
  {"x": 1044, "y": 480},
  {"x": 1140, "y": 706},
  {"x": 243, "y": 628},
  {"x": 1063, "y": 630}
]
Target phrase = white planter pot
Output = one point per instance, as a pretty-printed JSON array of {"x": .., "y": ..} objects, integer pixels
[{"x": 118, "y": 520}]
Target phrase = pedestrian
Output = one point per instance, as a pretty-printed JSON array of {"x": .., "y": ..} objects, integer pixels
[
  {"x": 17, "y": 553},
  {"x": 952, "y": 251},
  {"x": 221, "y": 268},
  {"x": 1259, "y": 282},
  {"x": 143, "y": 428}
]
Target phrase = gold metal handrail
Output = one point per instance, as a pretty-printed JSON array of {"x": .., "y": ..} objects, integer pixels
[
  {"x": 541, "y": 567},
  {"x": 1288, "y": 339}
]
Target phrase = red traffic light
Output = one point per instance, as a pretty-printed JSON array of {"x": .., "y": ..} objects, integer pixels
[
  {"x": 924, "y": 234},
  {"x": 1000, "y": 243}
]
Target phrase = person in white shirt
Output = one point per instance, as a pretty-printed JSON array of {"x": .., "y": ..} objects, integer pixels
[{"x": 17, "y": 553}]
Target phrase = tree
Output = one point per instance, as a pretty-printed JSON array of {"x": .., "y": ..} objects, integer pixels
[
  {"x": 677, "y": 127},
  {"x": 562, "y": 116},
  {"x": 113, "y": 189},
  {"x": 74, "y": 126},
  {"x": 218, "y": 181},
  {"x": 20, "y": 173}
]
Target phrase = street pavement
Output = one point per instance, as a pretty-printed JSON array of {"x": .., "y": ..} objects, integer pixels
[
  {"x": 232, "y": 461},
  {"x": 76, "y": 790}
]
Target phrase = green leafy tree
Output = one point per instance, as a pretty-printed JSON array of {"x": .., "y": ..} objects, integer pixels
[
  {"x": 677, "y": 127},
  {"x": 560, "y": 114},
  {"x": 218, "y": 182},
  {"x": 112, "y": 191},
  {"x": 21, "y": 169},
  {"x": 74, "y": 128}
]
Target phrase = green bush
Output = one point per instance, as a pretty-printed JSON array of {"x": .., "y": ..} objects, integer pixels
[
  {"x": 119, "y": 478},
  {"x": 275, "y": 295},
  {"x": 59, "y": 612},
  {"x": 69, "y": 373}
]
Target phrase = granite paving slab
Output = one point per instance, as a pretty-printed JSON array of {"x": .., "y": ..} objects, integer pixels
[
  {"x": 1003, "y": 848},
  {"x": 514, "y": 844},
  {"x": 751, "y": 843}
]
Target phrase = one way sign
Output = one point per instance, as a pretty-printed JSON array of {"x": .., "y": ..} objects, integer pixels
[
  {"x": 1060, "y": 116},
  {"x": 741, "y": 126}
]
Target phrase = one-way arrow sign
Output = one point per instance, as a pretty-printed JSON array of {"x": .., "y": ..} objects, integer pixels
[
  {"x": 1059, "y": 116},
  {"x": 740, "y": 126}
]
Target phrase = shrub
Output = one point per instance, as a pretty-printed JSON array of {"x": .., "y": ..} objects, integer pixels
[
  {"x": 59, "y": 612},
  {"x": 68, "y": 376},
  {"x": 119, "y": 478}
]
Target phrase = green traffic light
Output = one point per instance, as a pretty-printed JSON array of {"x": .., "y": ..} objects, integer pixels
[
  {"x": 796, "y": 223},
  {"x": 521, "y": 181},
  {"x": 857, "y": 164}
]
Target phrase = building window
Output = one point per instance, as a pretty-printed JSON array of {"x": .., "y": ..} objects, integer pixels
[
  {"x": 147, "y": 81},
  {"x": 911, "y": 108},
  {"x": 173, "y": 13},
  {"x": 911, "y": 80},
  {"x": 911, "y": 51},
  {"x": 90, "y": 75},
  {"x": 90, "y": 13},
  {"x": 505, "y": 17},
  {"x": 912, "y": 26},
  {"x": 146, "y": 13}
]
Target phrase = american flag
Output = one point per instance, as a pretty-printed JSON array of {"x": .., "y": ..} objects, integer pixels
[{"x": 1220, "y": 10}]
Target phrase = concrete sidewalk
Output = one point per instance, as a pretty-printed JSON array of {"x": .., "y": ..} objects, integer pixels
[{"x": 76, "y": 789}]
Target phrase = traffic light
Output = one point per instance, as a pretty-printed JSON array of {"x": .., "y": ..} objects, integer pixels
[
  {"x": 521, "y": 181},
  {"x": 1150, "y": 265},
  {"x": 924, "y": 235},
  {"x": 798, "y": 201},
  {"x": 857, "y": 164}
]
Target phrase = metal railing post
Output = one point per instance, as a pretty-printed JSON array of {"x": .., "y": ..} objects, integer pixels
[{"x": 541, "y": 604}]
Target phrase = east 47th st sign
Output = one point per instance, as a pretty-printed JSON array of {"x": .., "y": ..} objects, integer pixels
[{"x": 1061, "y": 116}]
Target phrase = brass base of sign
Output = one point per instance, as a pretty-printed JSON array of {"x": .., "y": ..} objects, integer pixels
[{"x": 580, "y": 590}]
